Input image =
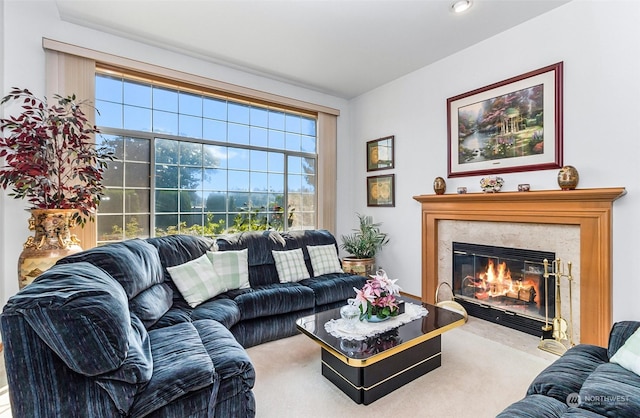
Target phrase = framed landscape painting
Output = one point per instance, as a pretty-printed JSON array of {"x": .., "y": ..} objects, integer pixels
[
  {"x": 510, "y": 126},
  {"x": 381, "y": 190}
]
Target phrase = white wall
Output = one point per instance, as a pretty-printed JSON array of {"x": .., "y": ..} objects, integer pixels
[
  {"x": 598, "y": 42},
  {"x": 2, "y": 89},
  {"x": 25, "y": 23}
]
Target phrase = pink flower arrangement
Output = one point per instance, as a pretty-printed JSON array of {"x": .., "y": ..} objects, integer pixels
[{"x": 377, "y": 298}]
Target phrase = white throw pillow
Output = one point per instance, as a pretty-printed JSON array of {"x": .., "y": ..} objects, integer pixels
[
  {"x": 196, "y": 280},
  {"x": 231, "y": 268},
  {"x": 324, "y": 259},
  {"x": 628, "y": 356},
  {"x": 290, "y": 265}
]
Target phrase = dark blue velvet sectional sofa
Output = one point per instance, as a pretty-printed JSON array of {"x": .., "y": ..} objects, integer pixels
[
  {"x": 106, "y": 333},
  {"x": 584, "y": 383}
]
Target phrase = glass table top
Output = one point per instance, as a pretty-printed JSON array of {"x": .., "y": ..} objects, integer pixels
[{"x": 361, "y": 353}]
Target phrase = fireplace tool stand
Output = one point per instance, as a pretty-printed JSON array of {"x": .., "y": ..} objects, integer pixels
[{"x": 553, "y": 336}]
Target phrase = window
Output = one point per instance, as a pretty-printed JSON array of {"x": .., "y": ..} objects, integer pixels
[
  {"x": 194, "y": 162},
  {"x": 124, "y": 211}
]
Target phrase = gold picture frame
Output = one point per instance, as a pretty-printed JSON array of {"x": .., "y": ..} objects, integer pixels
[
  {"x": 381, "y": 190},
  {"x": 380, "y": 153}
]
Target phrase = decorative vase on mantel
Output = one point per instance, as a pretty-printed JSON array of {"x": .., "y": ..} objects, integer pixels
[
  {"x": 439, "y": 185},
  {"x": 568, "y": 177},
  {"x": 52, "y": 241}
]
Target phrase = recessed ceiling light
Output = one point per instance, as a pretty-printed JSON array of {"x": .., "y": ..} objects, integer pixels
[{"x": 460, "y": 6}]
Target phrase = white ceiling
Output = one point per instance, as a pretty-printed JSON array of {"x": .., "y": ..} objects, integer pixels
[{"x": 340, "y": 47}]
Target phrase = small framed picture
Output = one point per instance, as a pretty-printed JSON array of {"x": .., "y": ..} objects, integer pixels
[
  {"x": 381, "y": 190},
  {"x": 380, "y": 154}
]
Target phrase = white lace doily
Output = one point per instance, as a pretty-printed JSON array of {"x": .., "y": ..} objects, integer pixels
[{"x": 364, "y": 329}]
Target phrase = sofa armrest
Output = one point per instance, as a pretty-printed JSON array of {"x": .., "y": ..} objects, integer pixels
[
  {"x": 566, "y": 375},
  {"x": 41, "y": 384},
  {"x": 619, "y": 334},
  {"x": 76, "y": 309}
]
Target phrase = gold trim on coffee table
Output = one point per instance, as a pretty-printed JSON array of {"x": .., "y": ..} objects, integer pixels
[
  {"x": 385, "y": 354},
  {"x": 413, "y": 366}
]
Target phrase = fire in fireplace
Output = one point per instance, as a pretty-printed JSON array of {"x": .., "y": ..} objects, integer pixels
[{"x": 504, "y": 285}]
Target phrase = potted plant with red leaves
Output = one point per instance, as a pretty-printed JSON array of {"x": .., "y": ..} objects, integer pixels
[{"x": 50, "y": 159}]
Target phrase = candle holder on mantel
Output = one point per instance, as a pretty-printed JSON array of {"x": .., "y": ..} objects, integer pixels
[{"x": 556, "y": 334}]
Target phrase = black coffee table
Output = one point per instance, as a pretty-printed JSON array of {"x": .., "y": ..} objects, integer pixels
[{"x": 368, "y": 370}]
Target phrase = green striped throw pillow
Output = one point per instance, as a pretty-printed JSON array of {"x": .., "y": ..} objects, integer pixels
[
  {"x": 231, "y": 268},
  {"x": 196, "y": 280},
  {"x": 324, "y": 259},
  {"x": 290, "y": 265}
]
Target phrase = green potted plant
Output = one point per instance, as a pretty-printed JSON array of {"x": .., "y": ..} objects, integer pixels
[
  {"x": 50, "y": 159},
  {"x": 363, "y": 245}
]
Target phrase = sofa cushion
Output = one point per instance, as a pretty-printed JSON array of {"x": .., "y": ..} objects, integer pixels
[
  {"x": 535, "y": 406},
  {"x": 231, "y": 268},
  {"x": 181, "y": 365},
  {"x": 290, "y": 265},
  {"x": 611, "y": 391},
  {"x": 179, "y": 312},
  {"x": 260, "y": 330},
  {"x": 151, "y": 304},
  {"x": 565, "y": 375},
  {"x": 196, "y": 280},
  {"x": 178, "y": 249},
  {"x": 134, "y": 263},
  {"x": 221, "y": 309},
  {"x": 231, "y": 362},
  {"x": 78, "y": 309},
  {"x": 334, "y": 287},
  {"x": 324, "y": 259},
  {"x": 259, "y": 244},
  {"x": 628, "y": 356},
  {"x": 274, "y": 300},
  {"x": 122, "y": 384}
]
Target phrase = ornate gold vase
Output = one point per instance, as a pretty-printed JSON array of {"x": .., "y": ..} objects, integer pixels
[
  {"x": 439, "y": 185},
  {"x": 568, "y": 177},
  {"x": 52, "y": 241}
]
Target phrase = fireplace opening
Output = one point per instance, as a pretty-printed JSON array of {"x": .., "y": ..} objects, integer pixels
[{"x": 504, "y": 285}]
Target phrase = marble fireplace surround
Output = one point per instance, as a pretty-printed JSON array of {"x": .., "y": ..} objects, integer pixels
[
  {"x": 563, "y": 240},
  {"x": 589, "y": 209}
]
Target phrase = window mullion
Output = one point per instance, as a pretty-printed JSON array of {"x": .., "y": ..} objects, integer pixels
[
  {"x": 285, "y": 195},
  {"x": 152, "y": 192}
]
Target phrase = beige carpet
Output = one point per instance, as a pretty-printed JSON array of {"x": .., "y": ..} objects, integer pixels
[{"x": 478, "y": 378}]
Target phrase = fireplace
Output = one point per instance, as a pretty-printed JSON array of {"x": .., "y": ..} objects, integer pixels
[
  {"x": 503, "y": 285},
  {"x": 588, "y": 210}
]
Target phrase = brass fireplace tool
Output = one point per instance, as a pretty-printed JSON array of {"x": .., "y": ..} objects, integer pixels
[{"x": 554, "y": 336}]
